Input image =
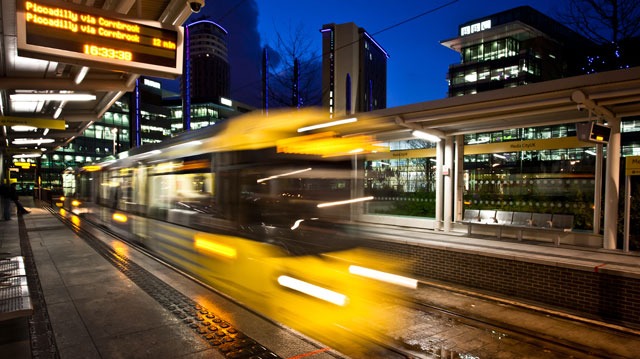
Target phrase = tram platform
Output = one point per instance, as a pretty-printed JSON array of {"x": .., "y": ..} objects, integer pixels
[
  {"x": 91, "y": 304},
  {"x": 122, "y": 304}
]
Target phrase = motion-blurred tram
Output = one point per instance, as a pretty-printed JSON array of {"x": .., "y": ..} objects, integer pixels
[{"x": 258, "y": 211}]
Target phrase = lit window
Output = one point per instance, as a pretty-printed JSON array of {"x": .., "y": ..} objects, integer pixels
[{"x": 471, "y": 77}]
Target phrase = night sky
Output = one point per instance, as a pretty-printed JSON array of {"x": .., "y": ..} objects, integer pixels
[{"x": 417, "y": 65}]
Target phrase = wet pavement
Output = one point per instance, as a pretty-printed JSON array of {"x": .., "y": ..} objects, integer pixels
[
  {"x": 96, "y": 311},
  {"x": 447, "y": 337}
]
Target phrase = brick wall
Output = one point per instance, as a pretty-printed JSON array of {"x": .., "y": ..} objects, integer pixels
[{"x": 611, "y": 297}]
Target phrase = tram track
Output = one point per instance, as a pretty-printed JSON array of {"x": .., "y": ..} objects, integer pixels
[
  {"x": 220, "y": 334},
  {"x": 521, "y": 334},
  {"x": 391, "y": 346},
  {"x": 546, "y": 342},
  {"x": 195, "y": 312}
]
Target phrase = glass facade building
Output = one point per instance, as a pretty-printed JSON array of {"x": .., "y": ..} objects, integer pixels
[
  {"x": 354, "y": 70},
  {"x": 540, "y": 169},
  {"x": 207, "y": 74},
  {"x": 513, "y": 48}
]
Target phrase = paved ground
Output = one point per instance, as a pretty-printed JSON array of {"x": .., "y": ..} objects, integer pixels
[{"x": 96, "y": 311}]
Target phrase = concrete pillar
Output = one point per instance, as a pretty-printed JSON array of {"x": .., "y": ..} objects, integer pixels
[
  {"x": 612, "y": 186},
  {"x": 448, "y": 177},
  {"x": 439, "y": 185},
  {"x": 458, "y": 164}
]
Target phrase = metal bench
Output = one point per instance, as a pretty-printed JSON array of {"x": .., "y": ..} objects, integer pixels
[
  {"x": 519, "y": 221},
  {"x": 490, "y": 218},
  {"x": 487, "y": 218},
  {"x": 558, "y": 223},
  {"x": 15, "y": 300}
]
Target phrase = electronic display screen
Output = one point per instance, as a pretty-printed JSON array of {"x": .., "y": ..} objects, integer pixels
[
  {"x": 600, "y": 133},
  {"x": 62, "y": 31}
]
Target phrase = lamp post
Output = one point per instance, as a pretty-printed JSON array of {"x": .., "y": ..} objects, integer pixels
[{"x": 114, "y": 131}]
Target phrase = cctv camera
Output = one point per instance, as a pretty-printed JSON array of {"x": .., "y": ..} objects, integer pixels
[{"x": 195, "y": 5}]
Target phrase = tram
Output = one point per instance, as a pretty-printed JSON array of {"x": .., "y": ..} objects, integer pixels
[{"x": 259, "y": 210}]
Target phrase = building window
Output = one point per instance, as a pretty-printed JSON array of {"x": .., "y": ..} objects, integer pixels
[{"x": 491, "y": 50}]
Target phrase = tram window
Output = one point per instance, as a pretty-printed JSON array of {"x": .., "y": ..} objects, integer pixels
[{"x": 179, "y": 191}]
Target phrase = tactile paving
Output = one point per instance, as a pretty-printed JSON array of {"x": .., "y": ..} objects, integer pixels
[
  {"x": 218, "y": 333},
  {"x": 14, "y": 298},
  {"x": 10, "y": 264}
]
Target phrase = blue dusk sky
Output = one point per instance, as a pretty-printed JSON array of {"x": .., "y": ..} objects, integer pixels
[{"x": 417, "y": 64}]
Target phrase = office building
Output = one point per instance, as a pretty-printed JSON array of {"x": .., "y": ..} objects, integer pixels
[
  {"x": 206, "y": 76},
  {"x": 545, "y": 168},
  {"x": 513, "y": 48},
  {"x": 354, "y": 70}
]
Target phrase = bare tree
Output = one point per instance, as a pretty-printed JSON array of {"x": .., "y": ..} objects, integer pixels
[
  {"x": 294, "y": 71},
  {"x": 604, "y": 21},
  {"x": 612, "y": 24}
]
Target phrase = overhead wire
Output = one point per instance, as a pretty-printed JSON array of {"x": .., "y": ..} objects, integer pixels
[
  {"x": 430, "y": 11},
  {"x": 415, "y": 17}
]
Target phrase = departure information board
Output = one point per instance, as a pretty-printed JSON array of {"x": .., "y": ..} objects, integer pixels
[{"x": 65, "y": 32}]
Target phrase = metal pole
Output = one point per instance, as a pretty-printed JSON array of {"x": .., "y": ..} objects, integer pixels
[
  {"x": 114, "y": 132},
  {"x": 597, "y": 196},
  {"x": 627, "y": 212}
]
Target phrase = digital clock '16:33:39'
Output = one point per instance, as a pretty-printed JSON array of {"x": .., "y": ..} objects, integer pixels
[{"x": 107, "y": 52}]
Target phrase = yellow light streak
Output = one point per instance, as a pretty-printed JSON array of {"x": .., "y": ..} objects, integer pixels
[
  {"x": 384, "y": 276},
  {"x": 329, "y": 144},
  {"x": 349, "y": 201},
  {"x": 75, "y": 203},
  {"x": 120, "y": 217},
  {"x": 283, "y": 175},
  {"x": 121, "y": 249},
  {"x": 216, "y": 248},
  {"x": 91, "y": 168},
  {"x": 328, "y": 124},
  {"x": 313, "y": 290}
]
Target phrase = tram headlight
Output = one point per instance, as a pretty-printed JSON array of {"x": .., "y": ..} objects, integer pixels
[{"x": 313, "y": 290}]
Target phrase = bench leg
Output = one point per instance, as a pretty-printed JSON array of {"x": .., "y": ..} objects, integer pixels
[
  {"x": 556, "y": 240},
  {"x": 469, "y": 229},
  {"x": 520, "y": 234}
]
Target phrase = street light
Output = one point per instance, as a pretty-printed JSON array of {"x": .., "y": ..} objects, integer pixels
[{"x": 114, "y": 131}]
